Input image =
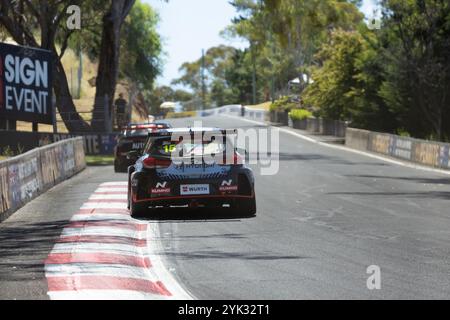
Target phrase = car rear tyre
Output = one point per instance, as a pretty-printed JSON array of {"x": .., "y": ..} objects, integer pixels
[
  {"x": 246, "y": 207},
  {"x": 138, "y": 209}
]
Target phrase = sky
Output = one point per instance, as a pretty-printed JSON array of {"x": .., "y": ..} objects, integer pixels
[{"x": 188, "y": 26}]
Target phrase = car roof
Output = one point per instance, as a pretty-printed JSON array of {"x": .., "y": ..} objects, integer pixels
[
  {"x": 191, "y": 130},
  {"x": 142, "y": 124}
]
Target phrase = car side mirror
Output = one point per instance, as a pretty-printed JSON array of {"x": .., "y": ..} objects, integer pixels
[{"x": 133, "y": 155}]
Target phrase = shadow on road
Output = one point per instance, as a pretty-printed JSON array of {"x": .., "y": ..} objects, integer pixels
[
  {"x": 23, "y": 249},
  {"x": 285, "y": 156},
  {"x": 407, "y": 179},
  {"x": 192, "y": 215},
  {"x": 419, "y": 195},
  {"x": 220, "y": 254}
]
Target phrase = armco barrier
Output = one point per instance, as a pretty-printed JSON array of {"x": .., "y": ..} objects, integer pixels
[
  {"x": 24, "y": 177},
  {"x": 429, "y": 153}
]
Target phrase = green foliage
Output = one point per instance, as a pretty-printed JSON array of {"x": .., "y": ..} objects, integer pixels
[
  {"x": 141, "y": 46},
  {"x": 300, "y": 114},
  {"x": 395, "y": 79},
  {"x": 283, "y": 104},
  {"x": 9, "y": 152},
  {"x": 162, "y": 94},
  {"x": 99, "y": 160},
  {"x": 285, "y": 35},
  {"x": 338, "y": 83},
  {"x": 227, "y": 76},
  {"x": 417, "y": 65},
  {"x": 184, "y": 114}
]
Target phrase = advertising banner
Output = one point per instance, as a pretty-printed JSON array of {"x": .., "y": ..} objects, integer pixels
[{"x": 25, "y": 84}]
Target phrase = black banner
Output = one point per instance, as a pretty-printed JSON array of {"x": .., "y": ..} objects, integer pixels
[{"x": 25, "y": 84}]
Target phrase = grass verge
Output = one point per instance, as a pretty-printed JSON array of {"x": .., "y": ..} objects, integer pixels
[
  {"x": 100, "y": 160},
  {"x": 262, "y": 106}
]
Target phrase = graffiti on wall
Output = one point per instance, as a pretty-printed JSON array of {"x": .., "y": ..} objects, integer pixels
[
  {"x": 4, "y": 197},
  {"x": 427, "y": 153},
  {"x": 381, "y": 143}
]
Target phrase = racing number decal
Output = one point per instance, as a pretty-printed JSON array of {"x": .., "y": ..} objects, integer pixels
[{"x": 169, "y": 148}]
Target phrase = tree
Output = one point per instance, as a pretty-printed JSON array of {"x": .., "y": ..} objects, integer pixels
[
  {"x": 141, "y": 47},
  {"x": 416, "y": 46},
  {"x": 346, "y": 86},
  {"x": 217, "y": 61},
  {"x": 287, "y": 34},
  {"x": 108, "y": 69}
]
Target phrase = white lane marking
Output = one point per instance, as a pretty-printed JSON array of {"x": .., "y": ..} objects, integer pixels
[
  {"x": 105, "y": 295},
  {"x": 88, "y": 269},
  {"x": 343, "y": 148},
  {"x": 104, "y": 205},
  {"x": 108, "y": 197},
  {"x": 118, "y": 183},
  {"x": 103, "y": 231},
  {"x": 124, "y": 249},
  {"x": 101, "y": 217},
  {"x": 156, "y": 252},
  {"x": 112, "y": 189}
]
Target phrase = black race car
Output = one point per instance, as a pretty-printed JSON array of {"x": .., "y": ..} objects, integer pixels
[
  {"x": 133, "y": 138},
  {"x": 178, "y": 168}
]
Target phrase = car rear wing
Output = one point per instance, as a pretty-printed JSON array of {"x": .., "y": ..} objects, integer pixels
[
  {"x": 169, "y": 133},
  {"x": 143, "y": 126}
]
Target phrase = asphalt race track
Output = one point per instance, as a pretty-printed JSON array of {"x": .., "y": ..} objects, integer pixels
[{"x": 325, "y": 218}]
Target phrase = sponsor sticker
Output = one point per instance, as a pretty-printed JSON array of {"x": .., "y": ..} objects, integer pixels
[
  {"x": 229, "y": 188},
  {"x": 159, "y": 191},
  {"x": 138, "y": 145},
  {"x": 194, "y": 189},
  {"x": 161, "y": 187}
]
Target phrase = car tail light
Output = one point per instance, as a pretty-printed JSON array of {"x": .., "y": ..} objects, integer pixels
[
  {"x": 237, "y": 160},
  {"x": 153, "y": 163}
]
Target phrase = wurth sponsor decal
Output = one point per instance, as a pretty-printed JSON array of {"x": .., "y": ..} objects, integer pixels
[
  {"x": 194, "y": 189},
  {"x": 103, "y": 253}
]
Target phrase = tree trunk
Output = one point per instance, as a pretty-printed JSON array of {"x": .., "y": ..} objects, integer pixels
[
  {"x": 64, "y": 102},
  {"x": 108, "y": 68}
]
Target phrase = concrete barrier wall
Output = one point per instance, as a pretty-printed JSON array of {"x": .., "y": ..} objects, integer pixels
[
  {"x": 357, "y": 139},
  {"x": 326, "y": 127},
  {"x": 236, "y": 110},
  {"x": 24, "y": 177},
  {"x": 94, "y": 143},
  {"x": 429, "y": 153}
]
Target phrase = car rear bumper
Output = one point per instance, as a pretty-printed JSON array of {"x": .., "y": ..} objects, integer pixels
[
  {"x": 237, "y": 185},
  {"x": 203, "y": 200}
]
